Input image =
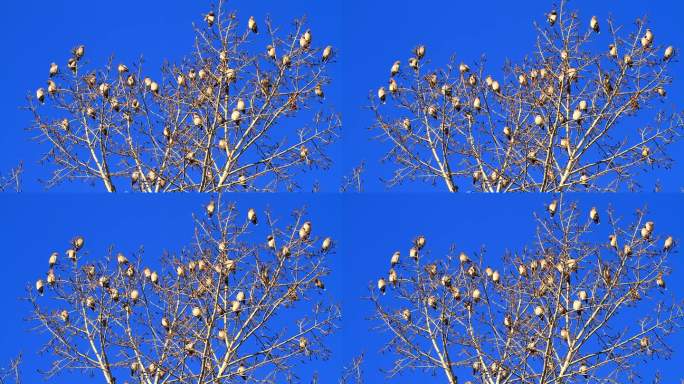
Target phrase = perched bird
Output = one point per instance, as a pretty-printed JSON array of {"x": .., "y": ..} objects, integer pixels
[
  {"x": 660, "y": 281},
  {"x": 252, "y": 216},
  {"x": 539, "y": 120},
  {"x": 327, "y": 53},
  {"x": 577, "y": 306},
  {"x": 40, "y": 95},
  {"x": 669, "y": 52},
  {"x": 252, "y": 25},
  {"x": 319, "y": 283},
  {"x": 577, "y": 115},
  {"x": 627, "y": 60},
  {"x": 196, "y": 312},
  {"x": 477, "y": 104},
  {"x": 463, "y": 68},
  {"x": 40, "y": 286},
  {"x": 240, "y": 296},
  {"x": 382, "y": 285},
  {"x": 413, "y": 253},
  {"x": 446, "y": 281},
  {"x": 53, "y": 259},
  {"x": 594, "y": 215},
  {"x": 432, "y": 302},
  {"x": 305, "y": 230},
  {"x": 382, "y": 94},
  {"x": 612, "y": 51},
  {"x": 552, "y": 17},
  {"x": 242, "y": 371},
  {"x": 54, "y": 69},
  {"x": 594, "y": 24},
  {"x": 327, "y": 243},
  {"x": 395, "y": 68},
  {"x": 393, "y": 277},
  {"x": 552, "y": 207},
  {"x": 79, "y": 52},
  {"x": 271, "y": 51},
  {"x": 134, "y": 295},
  {"x": 463, "y": 258},
  {"x": 235, "y": 116},
  {"x": 582, "y": 295},
  {"x": 235, "y": 306},
  {"x": 406, "y": 314},
  {"x": 420, "y": 51},
  {"x": 539, "y": 311},
  {"x": 613, "y": 241},
  {"x": 395, "y": 258},
  {"x": 584, "y": 370},
  {"x": 90, "y": 303},
  {"x": 420, "y": 242},
  {"x": 476, "y": 294},
  {"x": 318, "y": 90},
  {"x": 210, "y": 18},
  {"x": 210, "y": 208},
  {"x": 305, "y": 40},
  {"x": 78, "y": 242},
  {"x": 393, "y": 86},
  {"x": 668, "y": 244}
]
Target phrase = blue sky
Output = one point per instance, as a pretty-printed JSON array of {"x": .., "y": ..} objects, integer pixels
[
  {"x": 382, "y": 31},
  {"x": 368, "y": 229},
  {"x": 368, "y": 35},
  {"x": 130, "y": 30}
]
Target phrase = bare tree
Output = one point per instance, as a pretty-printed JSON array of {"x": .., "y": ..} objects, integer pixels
[
  {"x": 354, "y": 181},
  {"x": 562, "y": 119},
  {"x": 13, "y": 179},
  {"x": 223, "y": 310},
  {"x": 353, "y": 373},
  {"x": 231, "y": 116},
  {"x": 12, "y": 373},
  {"x": 565, "y": 310}
]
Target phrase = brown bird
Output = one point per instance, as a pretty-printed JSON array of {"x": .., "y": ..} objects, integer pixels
[
  {"x": 327, "y": 243},
  {"x": 327, "y": 53},
  {"x": 669, "y": 52},
  {"x": 395, "y": 258},
  {"x": 210, "y": 18},
  {"x": 382, "y": 285},
  {"x": 594, "y": 215},
  {"x": 252, "y": 25},
  {"x": 551, "y": 208},
  {"x": 252, "y": 216},
  {"x": 395, "y": 68},
  {"x": 54, "y": 69},
  {"x": 552, "y": 17},
  {"x": 594, "y": 24}
]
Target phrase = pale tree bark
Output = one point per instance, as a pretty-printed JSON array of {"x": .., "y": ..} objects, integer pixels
[
  {"x": 245, "y": 110},
  {"x": 573, "y": 115},
  {"x": 225, "y": 309},
  {"x": 566, "y": 309}
]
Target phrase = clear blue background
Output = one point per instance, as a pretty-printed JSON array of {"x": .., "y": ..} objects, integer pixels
[
  {"x": 39, "y": 32},
  {"x": 367, "y": 229},
  {"x": 368, "y": 35},
  {"x": 378, "y": 32}
]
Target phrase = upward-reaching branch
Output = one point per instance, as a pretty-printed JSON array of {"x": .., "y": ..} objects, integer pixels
[
  {"x": 553, "y": 313},
  {"x": 560, "y": 120},
  {"x": 223, "y": 309},
  {"x": 246, "y": 110}
]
